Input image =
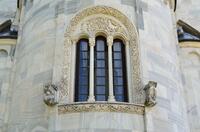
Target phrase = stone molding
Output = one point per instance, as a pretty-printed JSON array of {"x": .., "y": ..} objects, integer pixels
[
  {"x": 8, "y": 41},
  {"x": 110, "y": 40},
  {"x": 92, "y": 41},
  {"x": 189, "y": 44},
  {"x": 110, "y": 22},
  {"x": 101, "y": 107}
]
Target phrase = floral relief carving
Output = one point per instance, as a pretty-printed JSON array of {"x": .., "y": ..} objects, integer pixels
[
  {"x": 102, "y": 23},
  {"x": 63, "y": 89},
  {"x": 109, "y": 11},
  {"x": 110, "y": 21},
  {"x": 65, "y": 82},
  {"x": 101, "y": 107}
]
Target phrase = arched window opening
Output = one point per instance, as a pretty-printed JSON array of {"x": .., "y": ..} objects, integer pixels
[
  {"x": 112, "y": 24},
  {"x": 119, "y": 71},
  {"x": 82, "y": 71},
  {"x": 101, "y": 69},
  {"x": 3, "y": 53}
]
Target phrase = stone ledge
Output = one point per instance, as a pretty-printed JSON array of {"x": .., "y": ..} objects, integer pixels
[
  {"x": 189, "y": 44},
  {"x": 101, "y": 107},
  {"x": 8, "y": 41}
]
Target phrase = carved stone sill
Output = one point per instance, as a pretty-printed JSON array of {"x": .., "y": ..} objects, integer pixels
[{"x": 120, "y": 107}]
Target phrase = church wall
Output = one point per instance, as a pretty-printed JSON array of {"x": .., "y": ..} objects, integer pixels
[
  {"x": 40, "y": 44},
  {"x": 100, "y": 122},
  {"x": 190, "y": 64},
  {"x": 33, "y": 68},
  {"x": 5, "y": 78},
  {"x": 7, "y": 10},
  {"x": 188, "y": 11},
  {"x": 160, "y": 63}
]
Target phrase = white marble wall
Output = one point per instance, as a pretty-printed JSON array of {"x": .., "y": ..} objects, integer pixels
[
  {"x": 160, "y": 63},
  {"x": 5, "y": 78},
  {"x": 190, "y": 64},
  {"x": 7, "y": 9},
  {"x": 39, "y": 57},
  {"x": 188, "y": 11},
  {"x": 100, "y": 122}
]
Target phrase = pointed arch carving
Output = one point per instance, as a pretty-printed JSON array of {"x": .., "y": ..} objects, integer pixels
[{"x": 111, "y": 22}]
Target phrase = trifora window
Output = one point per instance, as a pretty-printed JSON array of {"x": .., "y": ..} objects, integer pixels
[{"x": 101, "y": 71}]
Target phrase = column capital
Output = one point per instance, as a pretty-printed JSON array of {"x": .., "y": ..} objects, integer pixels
[
  {"x": 110, "y": 40},
  {"x": 92, "y": 41},
  {"x": 74, "y": 41},
  {"x": 68, "y": 41}
]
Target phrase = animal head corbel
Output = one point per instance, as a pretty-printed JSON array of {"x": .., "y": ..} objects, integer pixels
[
  {"x": 151, "y": 93},
  {"x": 50, "y": 94}
]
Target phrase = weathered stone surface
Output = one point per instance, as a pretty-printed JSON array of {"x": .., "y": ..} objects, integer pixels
[
  {"x": 40, "y": 55},
  {"x": 129, "y": 2},
  {"x": 42, "y": 77},
  {"x": 7, "y": 9}
]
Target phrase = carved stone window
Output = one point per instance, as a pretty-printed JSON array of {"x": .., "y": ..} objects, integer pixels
[
  {"x": 105, "y": 78},
  {"x": 117, "y": 30}
]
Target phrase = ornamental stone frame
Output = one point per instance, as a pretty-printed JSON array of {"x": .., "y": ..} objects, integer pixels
[{"x": 111, "y": 23}]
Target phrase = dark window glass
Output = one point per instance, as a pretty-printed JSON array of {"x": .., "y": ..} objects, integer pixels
[
  {"x": 82, "y": 97},
  {"x": 100, "y": 55},
  {"x": 83, "y": 89},
  {"x": 117, "y": 55},
  {"x": 119, "y": 90},
  {"x": 117, "y": 63},
  {"x": 119, "y": 71},
  {"x": 84, "y": 55},
  {"x": 101, "y": 89},
  {"x": 83, "y": 80},
  {"x": 101, "y": 97},
  {"x": 82, "y": 71},
  {"x": 84, "y": 63},
  {"x": 84, "y": 45},
  {"x": 101, "y": 70},
  {"x": 118, "y": 80},
  {"x": 99, "y": 81},
  {"x": 100, "y": 64},
  {"x": 119, "y": 98},
  {"x": 117, "y": 46}
]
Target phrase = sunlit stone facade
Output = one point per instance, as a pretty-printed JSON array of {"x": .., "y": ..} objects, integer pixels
[{"x": 42, "y": 52}]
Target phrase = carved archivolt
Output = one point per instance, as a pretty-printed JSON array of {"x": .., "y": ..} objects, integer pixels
[
  {"x": 111, "y": 22},
  {"x": 102, "y": 10}
]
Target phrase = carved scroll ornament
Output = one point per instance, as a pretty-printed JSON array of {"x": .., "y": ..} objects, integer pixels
[{"x": 101, "y": 107}]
